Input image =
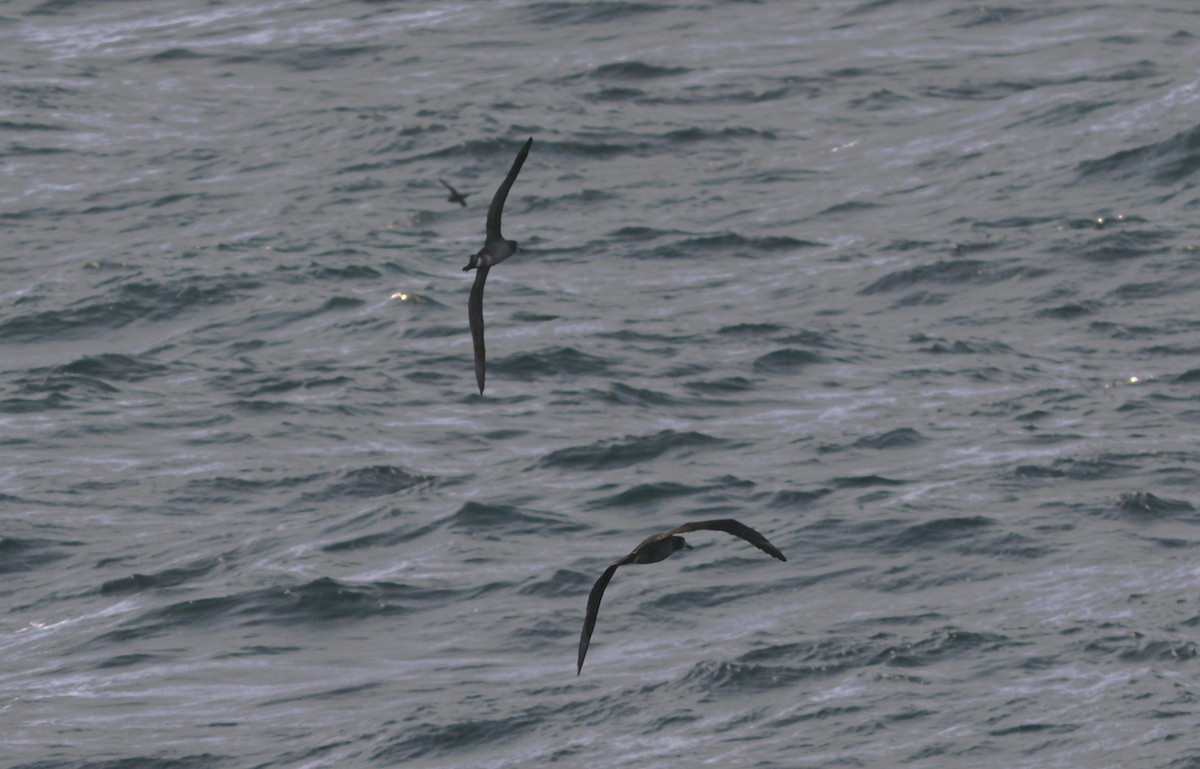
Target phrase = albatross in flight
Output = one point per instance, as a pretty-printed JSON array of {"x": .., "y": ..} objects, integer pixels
[
  {"x": 495, "y": 250},
  {"x": 658, "y": 547},
  {"x": 455, "y": 195}
]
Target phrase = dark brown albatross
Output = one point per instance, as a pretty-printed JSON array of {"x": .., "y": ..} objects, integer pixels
[
  {"x": 455, "y": 196},
  {"x": 658, "y": 547},
  {"x": 495, "y": 250}
]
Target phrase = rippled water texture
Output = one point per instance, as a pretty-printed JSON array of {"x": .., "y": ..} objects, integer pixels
[{"x": 908, "y": 287}]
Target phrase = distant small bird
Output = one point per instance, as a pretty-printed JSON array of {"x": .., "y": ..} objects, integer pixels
[
  {"x": 658, "y": 547},
  {"x": 455, "y": 195},
  {"x": 495, "y": 250}
]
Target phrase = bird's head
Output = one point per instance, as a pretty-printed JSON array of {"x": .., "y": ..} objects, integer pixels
[
  {"x": 678, "y": 543},
  {"x": 655, "y": 549}
]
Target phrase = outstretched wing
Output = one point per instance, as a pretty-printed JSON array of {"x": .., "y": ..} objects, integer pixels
[
  {"x": 737, "y": 529},
  {"x": 475, "y": 317},
  {"x": 593, "y": 608},
  {"x": 497, "y": 206}
]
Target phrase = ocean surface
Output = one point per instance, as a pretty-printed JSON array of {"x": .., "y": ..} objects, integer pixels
[{"x": 910, "y": 287}]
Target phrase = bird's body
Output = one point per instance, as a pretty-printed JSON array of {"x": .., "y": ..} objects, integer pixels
[
  {"x": 455, "y": 196},
  {"x": 659, "y": 547},
  {"x": 495, "y": 250}
]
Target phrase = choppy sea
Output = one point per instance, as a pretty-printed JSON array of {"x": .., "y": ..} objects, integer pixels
[{"x": 910, "y": 287}]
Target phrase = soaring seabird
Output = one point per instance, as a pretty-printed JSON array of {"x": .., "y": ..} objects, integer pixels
[
  {"x": 495, "y": 250},
  {"x": 455, "y": 195},
  {"x": 658, "y": 547}
]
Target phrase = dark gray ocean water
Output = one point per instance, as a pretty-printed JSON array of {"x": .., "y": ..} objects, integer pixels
[{"x": 912, "y": 288}]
